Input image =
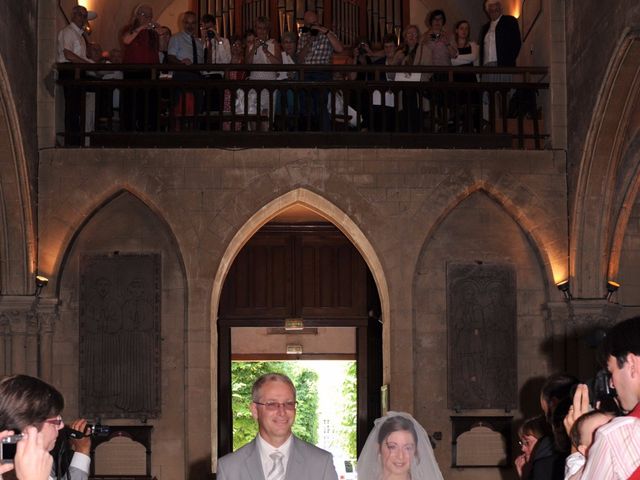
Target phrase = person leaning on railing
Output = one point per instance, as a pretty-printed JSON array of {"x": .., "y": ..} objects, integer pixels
[
  {"x": 468, "y": 56},
  {"x": 384, "y": 102},
  {"x": 284, "y": 99},
  {"x": 264, "y": 51},
  {"x": 316, "y": 46},
  {"x": 72, "y": 48},
  {"x": 412, "y": 53},
  {"x": 141, "y": 46},
  {"x": 231, "y": 98}
]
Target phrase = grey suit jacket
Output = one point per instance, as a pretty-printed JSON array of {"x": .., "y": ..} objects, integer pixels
[{"x": 306, "y": 462}]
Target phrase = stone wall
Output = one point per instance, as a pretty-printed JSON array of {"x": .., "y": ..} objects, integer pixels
[{"x": 398, "y": 200}]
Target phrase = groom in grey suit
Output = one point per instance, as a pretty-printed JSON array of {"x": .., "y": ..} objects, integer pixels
[{"x": 275, "y": 453}]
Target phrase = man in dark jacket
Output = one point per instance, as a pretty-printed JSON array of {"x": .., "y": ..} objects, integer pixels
[{"x": 500, "y": 38}]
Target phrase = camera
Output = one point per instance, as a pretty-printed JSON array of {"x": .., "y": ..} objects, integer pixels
[
  {"x": 435, "y": 36},
  {"x": 8, "y": 448},
  {"x": 362, "y": 48},
  {"x": 600, "y": 390},
  {"x": 310, "y": 30},
  {"x": 90, "y": 431},
  {"x": 211, "y": 34}
]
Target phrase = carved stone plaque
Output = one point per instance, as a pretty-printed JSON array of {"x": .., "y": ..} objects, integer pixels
[
  {"x": 120, "y": 336},
  {"x": 482, "y": 341}
]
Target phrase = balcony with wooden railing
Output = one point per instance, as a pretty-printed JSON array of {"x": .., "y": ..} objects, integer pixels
[{"x": 441, "y": 110}]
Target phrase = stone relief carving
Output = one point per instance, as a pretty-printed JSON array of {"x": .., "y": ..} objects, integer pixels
[
  {"x": 120, "y": 335},
  {"x": 482, "y": 341}
]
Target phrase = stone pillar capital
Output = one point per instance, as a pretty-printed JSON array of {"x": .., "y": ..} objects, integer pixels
[{"x": 593, "y": 313}]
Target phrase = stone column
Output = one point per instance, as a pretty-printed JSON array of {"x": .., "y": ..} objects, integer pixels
[
  {"x": 26, "y": 333},
  {"x": 588, "y": 321},
  {"x": 558, "y": 314},
  {"x": 48, "y": 317}
]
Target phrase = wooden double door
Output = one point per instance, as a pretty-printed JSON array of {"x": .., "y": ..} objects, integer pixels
[{"x": 312, "y": 272}]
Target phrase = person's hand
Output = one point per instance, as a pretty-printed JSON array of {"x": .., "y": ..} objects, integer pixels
[
  {"x": 187, "y": 61},
  {"x": 80, "y": 445},
  {"x": 579, "y": 407},
  {"x": 520, "y": 462},
  {"x": 5, "y": 467},
  {"x": 33, "y": 461}
]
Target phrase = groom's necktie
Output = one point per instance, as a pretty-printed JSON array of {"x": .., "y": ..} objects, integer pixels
[{"x": 277, "y": 470}]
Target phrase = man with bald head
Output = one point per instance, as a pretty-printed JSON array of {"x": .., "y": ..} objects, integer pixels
[
  {"x": 316, "y": 46},
  {"x": 72, "y": 48},
  {"x": 276, "y": 453}
]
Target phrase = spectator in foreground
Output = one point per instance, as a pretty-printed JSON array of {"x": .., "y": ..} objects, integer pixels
[
  {"x": 27, "y": 404},
  {"x": 615, "y": 452}
]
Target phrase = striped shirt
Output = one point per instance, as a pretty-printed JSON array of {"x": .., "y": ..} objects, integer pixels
[{"x": 615, "y": 453}]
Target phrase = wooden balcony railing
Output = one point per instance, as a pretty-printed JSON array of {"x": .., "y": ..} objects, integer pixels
[{"x": 187, "y": 106}]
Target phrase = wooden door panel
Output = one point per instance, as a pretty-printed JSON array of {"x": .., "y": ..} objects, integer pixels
[
  {"x": 259, "y": 283},
  {"x": 333, "y": 278}
]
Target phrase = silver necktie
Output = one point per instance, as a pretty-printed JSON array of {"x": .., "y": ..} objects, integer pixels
[{"x": 277, "y": 471}]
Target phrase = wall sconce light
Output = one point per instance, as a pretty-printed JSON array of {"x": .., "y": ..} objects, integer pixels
[
  {"x": 41, "y": 282},
  {"x": 564, "y": 288},
  {"x": 294, "y": 349},
  {"x": 612, "y": 287}
]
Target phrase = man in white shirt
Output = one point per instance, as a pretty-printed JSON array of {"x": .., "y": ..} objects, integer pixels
[
  {"x": 275, "y": 453},
  {"x": 72, "y": 48}
]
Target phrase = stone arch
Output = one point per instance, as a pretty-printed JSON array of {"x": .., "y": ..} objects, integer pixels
[
  {"x": 624, "y": 214},
  {"x": 322, "y": 206},
  {"x": 538, "y": 238},
  {"x": 17, "y": 236},
  {"x": 477, "y": 223},
  {"x": 68, "y": 243},
  {"x": 594, "y": 233}
]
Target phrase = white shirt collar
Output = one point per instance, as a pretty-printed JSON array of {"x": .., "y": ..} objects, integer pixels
[{"x": 267, "y": 449}]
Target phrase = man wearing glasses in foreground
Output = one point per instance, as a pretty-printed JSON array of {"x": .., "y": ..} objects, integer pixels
[
  {"x": 27, "y": 402},
  {"x": 275, "y": 453}
]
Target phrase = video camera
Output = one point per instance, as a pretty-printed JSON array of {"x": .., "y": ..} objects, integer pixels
[{"x": 90, "y": 431}]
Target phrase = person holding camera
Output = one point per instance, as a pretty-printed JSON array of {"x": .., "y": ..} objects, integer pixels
[
  {"x": 217, "y": 49},
  {"x": 615, "y": 452},
  {"x": 32, "y": 461},
  {"x": 141, "y": 47},
  {"x": 29, "y": 405},
  {"x": 316, "y": 46},
  {"x": 263, "y": 51}
]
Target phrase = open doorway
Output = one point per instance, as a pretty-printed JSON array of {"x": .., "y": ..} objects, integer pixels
[{"x": 300, "y": 290}]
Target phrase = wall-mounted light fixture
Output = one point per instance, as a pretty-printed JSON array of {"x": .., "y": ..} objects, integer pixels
[
  {"x": 41, "y": 282},
  {"x": 564, "y": 288},
  {"x": 612, "y": 287},
  {"x": 294, "y": 349}
]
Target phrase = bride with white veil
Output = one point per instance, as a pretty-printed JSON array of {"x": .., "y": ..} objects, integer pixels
[{"x": 398, "y": 448}]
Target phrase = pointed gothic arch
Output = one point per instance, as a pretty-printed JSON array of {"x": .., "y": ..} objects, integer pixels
[
  {"x": 92, "y": 210},
  {"x": 596, "y": 231},
  {"x": 325, "y": 208},
  {"x": 17, "y": 236},
  {"x": 527, "y": 222}
]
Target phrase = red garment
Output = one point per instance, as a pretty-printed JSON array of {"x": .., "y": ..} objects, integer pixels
[
  {"x": 143, "y": 49},
  {"x": 635, "y": 413}
]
